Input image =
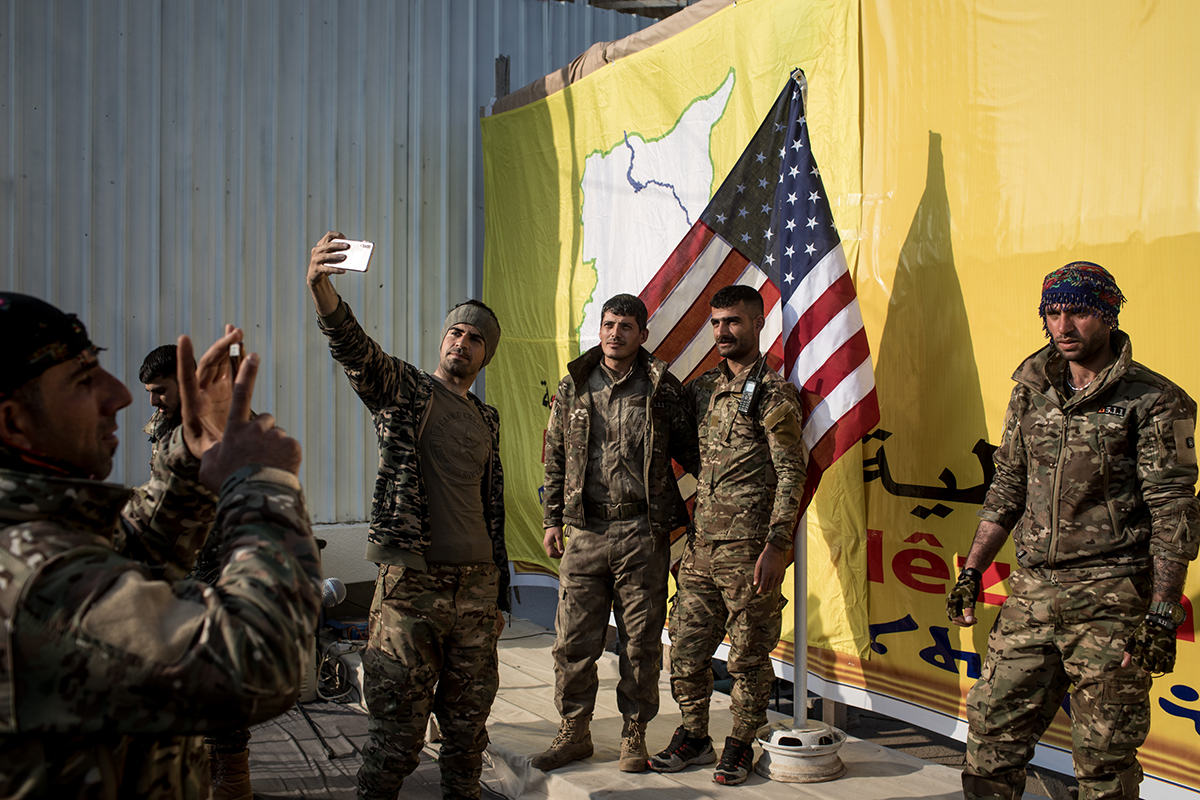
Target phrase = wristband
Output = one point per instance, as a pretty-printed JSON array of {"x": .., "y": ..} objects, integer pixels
[{"x": 972, "y": 573}]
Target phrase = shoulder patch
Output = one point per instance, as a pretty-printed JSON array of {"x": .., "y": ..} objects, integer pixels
[
  {"x": 784, "y": 423},
  {"x": 1185, "y": 440}
]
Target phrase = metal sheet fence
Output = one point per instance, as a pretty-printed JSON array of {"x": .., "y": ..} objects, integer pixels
[{"x": 165, "y": 166}]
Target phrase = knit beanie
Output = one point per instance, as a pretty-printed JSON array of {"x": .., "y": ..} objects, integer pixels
[{"x": 483, "y": 320}]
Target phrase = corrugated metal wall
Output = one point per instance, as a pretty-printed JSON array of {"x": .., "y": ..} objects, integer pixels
[{"x": 165, "y": 166}]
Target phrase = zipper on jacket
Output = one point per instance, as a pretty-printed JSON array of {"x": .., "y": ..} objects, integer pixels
[
  {"x": 1106, "y": 473},
  {"x": 1055, "y": 499},
  {"x": 648, "y": 446}
]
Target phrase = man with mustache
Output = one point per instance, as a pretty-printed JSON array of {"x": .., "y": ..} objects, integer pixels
[
  {"x": 1095, "y": 477},
  {"x": 437, "y": 534},
  {"x": 114, "y": 664},
  {"x": 752, "y": 471},
  {"x": 617, "y": 420}
]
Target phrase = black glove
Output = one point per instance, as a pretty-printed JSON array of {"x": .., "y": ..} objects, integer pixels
[
  {"x": 965, "y": 592},
  {"x": 1152, "y": 646}
]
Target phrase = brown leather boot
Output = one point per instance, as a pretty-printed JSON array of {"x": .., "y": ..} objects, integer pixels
[
  {"x": 230, "y": 775},
  {"x": 633, "y": 748},
  {"x": 573, "y": 742}
]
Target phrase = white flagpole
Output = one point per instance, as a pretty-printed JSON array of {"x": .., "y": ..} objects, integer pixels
[{"x": 800, "y": 626}]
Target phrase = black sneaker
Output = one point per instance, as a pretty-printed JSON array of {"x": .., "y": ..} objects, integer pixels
[
  {"x": 683, "y": 751},
  {"x": 736, "y": 760}
]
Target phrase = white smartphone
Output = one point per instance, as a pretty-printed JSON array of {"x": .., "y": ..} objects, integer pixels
[{"x": 357, "y": 257}]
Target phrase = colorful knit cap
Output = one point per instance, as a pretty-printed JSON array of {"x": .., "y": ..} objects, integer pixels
[
  {"x": 1081, "y": 284},
  {"x": 36, "y": 336}
]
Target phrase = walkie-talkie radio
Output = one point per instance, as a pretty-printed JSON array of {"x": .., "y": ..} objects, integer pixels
[{"x": 750, "y": 390}]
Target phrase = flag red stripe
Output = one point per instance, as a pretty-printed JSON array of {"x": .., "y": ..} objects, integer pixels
[
  {"x": 692, "y": 321},
  {"x": 675, "y": 267},
  {"x": 840, "y": 363},
  {"x": 770, "y": 296},
  {"x": 839, "y": 295},
  {"x": 853, "y": 425}
]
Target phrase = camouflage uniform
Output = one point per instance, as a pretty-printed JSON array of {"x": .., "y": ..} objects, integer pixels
[
  {"x": 111, "y": 666},
  {"x": 158, "y": 428},
  {"x": 752, "y": 473},
  {"x": 618, "y": 564},
  {"x": 206, "y": 569},
  {"x": 1096, "y": 484},
  {"x": 400, "y": 669}
]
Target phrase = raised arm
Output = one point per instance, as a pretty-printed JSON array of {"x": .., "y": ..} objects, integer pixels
[
  {"x": 376, "y": 377},
  {"x": 154, "y": 656},
  {"x": 322, "y": 263}
]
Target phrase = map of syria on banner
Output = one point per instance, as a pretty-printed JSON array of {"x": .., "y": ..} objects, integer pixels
[
  {"x": 771, "y": 214},
  {"x": 588, "y": 193}
]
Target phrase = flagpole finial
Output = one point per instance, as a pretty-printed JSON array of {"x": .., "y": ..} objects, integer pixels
[{"x": 802, "y": 82}]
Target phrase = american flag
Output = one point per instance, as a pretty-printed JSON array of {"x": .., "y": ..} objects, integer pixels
[{"x": 770, "y": 226}]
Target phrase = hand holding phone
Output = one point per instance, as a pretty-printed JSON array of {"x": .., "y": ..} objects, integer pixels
[{"x": 358, "y": 255}]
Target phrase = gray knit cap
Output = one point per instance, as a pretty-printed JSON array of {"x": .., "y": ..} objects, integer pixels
[{"x": 483, "y": 320}]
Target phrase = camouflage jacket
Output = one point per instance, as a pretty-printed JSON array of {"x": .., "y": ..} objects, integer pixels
[
  {"x": 1101, "y": 481},
  {"x": 752, "y": 467},
  {"x": 158, "y": 428},
  {"x": 670, "y": 434},
  {"x": 398, "y": 396},
  {"x": 110, "y": 667}
]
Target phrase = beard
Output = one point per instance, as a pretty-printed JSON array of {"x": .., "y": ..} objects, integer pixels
[{"x": 458, "y": 368}]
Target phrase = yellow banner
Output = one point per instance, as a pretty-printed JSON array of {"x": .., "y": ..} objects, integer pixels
[
  {"x": 968, "y": 149},
  {"x": 588, "y": 191},
  {"x": 1002, "y": 140}
]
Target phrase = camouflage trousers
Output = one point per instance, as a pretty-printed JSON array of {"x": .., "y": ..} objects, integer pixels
[
  {"x": 717, "y": 598},
  {"x": 432, "y": 647},
  {"x": 624, "y": 569},
  {"x": 1051, "y": 635},
  {"x": 166, "y": 768}
]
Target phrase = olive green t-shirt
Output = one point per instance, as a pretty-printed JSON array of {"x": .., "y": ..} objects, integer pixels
[{"x": 456, "y": 448}]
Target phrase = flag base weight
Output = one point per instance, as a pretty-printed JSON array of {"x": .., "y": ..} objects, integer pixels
[{"x": 800, "y": 755}]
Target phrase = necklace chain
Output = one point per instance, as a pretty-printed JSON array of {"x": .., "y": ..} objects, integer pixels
[{"x": 1075, "y": 388}]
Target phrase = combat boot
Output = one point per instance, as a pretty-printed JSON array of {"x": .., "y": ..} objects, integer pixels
[
  {"x": 633, "y": 747},
  {"x": 573, "y": 742},
  {"x": 230, "y": 775}
]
